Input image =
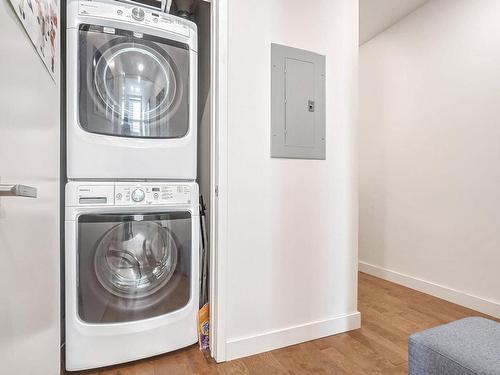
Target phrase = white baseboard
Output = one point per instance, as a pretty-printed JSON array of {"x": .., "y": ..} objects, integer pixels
[
  {"x": 246, "y": 346},
  {"x": 485, "y": 306}
]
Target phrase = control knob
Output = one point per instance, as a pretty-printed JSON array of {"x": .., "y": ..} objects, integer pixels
[
  {"x": 138, "y": 14},
  {"x": 138, "y": 195}
]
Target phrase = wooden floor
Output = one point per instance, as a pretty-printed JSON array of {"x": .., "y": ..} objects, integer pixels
[{"x": 390, "y": 313}]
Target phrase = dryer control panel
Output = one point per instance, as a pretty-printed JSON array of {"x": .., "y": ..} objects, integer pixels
[
  {"x": 134, "y": 14},
  {"x": 130, "y": 194}
]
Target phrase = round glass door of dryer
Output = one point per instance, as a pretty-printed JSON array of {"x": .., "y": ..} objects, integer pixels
[
  {"x": 137, "y": 83},
  {"x": 133, "y": 266},
  {"x": 132, "y": 85}
]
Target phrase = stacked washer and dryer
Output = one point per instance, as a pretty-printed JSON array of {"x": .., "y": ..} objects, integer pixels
[{"x": 131, "y": 215}]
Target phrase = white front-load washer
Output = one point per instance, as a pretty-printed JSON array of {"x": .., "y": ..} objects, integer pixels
[
  {"x": 131, "y": 81},
  {"x": 132, "y": 276}
]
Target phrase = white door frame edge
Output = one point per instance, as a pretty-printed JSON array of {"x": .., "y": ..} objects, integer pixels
[{"x": 219, "y": 176}]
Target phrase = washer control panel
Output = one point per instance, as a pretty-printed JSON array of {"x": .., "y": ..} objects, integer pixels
[
  {"x": 134, "y": 14},
  {"x": 133, "y": 194},
  {"x": 151, "y": 194}
]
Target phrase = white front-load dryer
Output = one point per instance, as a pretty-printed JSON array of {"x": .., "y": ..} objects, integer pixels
[
  {"x": 132, "y": 276},
  {"x": 131, "y": 81}
]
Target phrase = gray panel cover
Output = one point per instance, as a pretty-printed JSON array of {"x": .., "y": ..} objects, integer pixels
[{"x": 297, "y": 104}]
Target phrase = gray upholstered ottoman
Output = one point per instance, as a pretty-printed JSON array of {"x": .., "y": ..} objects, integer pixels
[{"x": 468, "y": 346}]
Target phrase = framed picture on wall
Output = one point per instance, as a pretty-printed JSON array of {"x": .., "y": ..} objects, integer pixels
[{"x": 40, "y": 20}]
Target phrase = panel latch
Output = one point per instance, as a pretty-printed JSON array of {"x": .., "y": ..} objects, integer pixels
[{"x": 311, "y": 105}]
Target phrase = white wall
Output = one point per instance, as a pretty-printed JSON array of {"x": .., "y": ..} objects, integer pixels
[
  {"x": 29, "y": 228},
  {"x": 430, "y": 152},
  {"x": 292, "y": 240},
  {"x": 377, "y": 15}
]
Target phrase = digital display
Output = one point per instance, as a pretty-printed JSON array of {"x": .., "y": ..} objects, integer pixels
[{"x": 155, "y": 189}]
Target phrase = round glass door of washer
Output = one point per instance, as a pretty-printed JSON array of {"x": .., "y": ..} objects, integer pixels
[
  {"x": 135, "y": 259},
  {"x": 137, "y": 83}
]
